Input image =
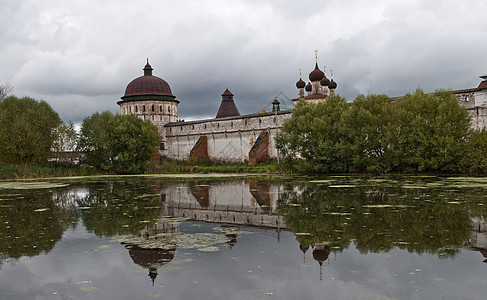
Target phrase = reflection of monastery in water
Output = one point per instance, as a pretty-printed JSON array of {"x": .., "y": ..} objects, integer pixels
[
  {"x": 231, "y": 204},
  {"x": 478, "y": 237},
  {"x": 249, "y": 203}
]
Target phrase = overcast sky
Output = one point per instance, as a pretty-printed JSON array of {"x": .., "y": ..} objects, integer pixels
[{"x": 79, "y": 55}]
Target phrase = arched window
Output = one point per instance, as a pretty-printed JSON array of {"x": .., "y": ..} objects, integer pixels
[
  {"x": 143, "y": 108},
  {"x": 136, "y": 108}
]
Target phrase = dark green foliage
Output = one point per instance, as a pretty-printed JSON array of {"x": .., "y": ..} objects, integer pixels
[
  {"x": 315, "y": 134},
  {"x": 415, "y": 133},
  {"x": 94, "y": 139},
  {"x": 123, "y": 143},
  {"x": 132, "y": 143},
  {"x": 475, "y": 154},
  {"x": 26, "y": 130}
]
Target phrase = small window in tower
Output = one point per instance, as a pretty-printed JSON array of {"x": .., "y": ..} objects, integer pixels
[
  {"x": 193, "y": 127},
  {"x": 130, "y": 109},
  {"x": 245, "y": 121},
  {"x": 467, "y": 98},
  {"x": 181, "y": 128},
  {"x": 136, "y": 108},
  {"x": 260, "y": 121},
  {"x": 143, "y": 108},
  {"x": 162, "y": 146},
  {"x": 160, "y": 108},
  {"x": 231, "y": 124},
  {"x": 168, "y": 109},
  {"x": 205, "y": 126},
  {"x": 152, "y": 107}
]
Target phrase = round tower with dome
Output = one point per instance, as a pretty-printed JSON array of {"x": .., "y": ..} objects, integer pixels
[{"x": 150, "y": 98}]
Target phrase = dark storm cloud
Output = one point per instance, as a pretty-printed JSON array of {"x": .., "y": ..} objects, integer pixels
[{"x": 80, "y": 56}]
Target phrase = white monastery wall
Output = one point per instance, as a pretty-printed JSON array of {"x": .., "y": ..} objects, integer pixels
[{"x": 229, "y": 139}]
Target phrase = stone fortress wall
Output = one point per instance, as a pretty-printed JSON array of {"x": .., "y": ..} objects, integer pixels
[{"x": 230, "y": 139}]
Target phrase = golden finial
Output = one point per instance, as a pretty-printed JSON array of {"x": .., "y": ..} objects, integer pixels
[
  {"x": 316, "y": 55},
  {"x": 331, "y": 72},
  {"x": 299, "y": 73}
]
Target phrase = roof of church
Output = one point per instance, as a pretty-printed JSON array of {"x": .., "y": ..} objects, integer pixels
[{"x": 148, "y": 85}]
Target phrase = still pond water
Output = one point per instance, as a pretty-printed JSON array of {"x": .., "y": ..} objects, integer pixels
[{"x": 241, "y": 238}]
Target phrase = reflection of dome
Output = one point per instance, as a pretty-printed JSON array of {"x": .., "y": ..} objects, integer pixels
[
  {"x": 151, "y": 259},
  {"x": 304, "y": 248},
  {"x": 320, "y": 254},
  {"x": 148, "y": 85}
]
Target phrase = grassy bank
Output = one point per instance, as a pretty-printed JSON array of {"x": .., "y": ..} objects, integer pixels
[
  {"x": 176, "y": 167},
  {"x": 34, "y": 171},
  {"x": 164, "y": 167}
]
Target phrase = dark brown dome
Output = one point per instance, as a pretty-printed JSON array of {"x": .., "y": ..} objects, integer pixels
[
  {"x": 300, "y": 84},
  {"x": 148, "y": 85},
  {"x": 333, "y": 85},
  {"x": 316, "y": 74},
  {"x": 309, "y": 88},
  {"x": 325, "y": 81}
]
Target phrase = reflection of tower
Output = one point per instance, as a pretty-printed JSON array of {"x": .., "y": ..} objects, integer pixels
[
  {"x": 231, "y": 233},
  {"x": 320, "y": 254},
  {"x": 155, "y": 246}
]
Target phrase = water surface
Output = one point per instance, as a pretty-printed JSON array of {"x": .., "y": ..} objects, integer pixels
[{"x": 326, "y": 238}]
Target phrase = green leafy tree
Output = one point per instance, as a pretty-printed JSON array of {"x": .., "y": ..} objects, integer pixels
[
  {"x": 123, "y": 143},
  {"x": 315, "y": 134},
  {"x": 26, "y": 130},
  {"x": 475, "y": 154},
  {"x": 132, "y": 143},
  {"x": 365, "y": 127},
  {"x": 427, "y": 132},
  {"x": 94, "y": 139}
]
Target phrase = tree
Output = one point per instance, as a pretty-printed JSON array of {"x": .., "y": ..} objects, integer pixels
[
  {"x": 66, "y": 139},
  {"x": 5, "y": 90},
  {"x": 123, "y": 143},
  {"x": 94, "y": 137},
  {"x": 427, "y": 132},
  {"x": 315, "y": 134},
  {"x": 132, "y": 143},
  {"x": 365, "y": 127},
  {"x": 475, "y": 154},
  {"x": 26, "y": 130}
]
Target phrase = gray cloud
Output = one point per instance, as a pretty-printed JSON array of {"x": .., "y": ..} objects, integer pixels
[{"x": 80, "y": 57}]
